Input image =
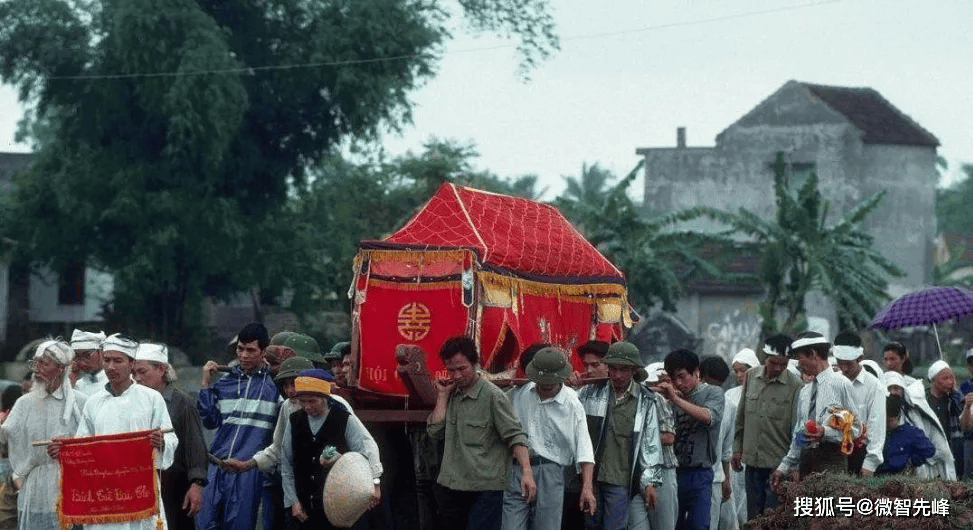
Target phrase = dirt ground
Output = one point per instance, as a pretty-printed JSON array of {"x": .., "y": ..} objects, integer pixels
[{"x": 931, "y": 505}]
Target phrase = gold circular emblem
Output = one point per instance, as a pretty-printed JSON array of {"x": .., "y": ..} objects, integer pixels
[{"x": 414, "y": 320}]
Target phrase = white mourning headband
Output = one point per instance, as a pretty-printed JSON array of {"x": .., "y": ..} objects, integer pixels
[{"x": 808, "y": 342}]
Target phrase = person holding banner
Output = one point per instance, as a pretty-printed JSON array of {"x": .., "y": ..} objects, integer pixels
[
  {"x": 51, "y": 409},
  {"x": 182, "y": 484},
  {"x": 123, "y": 406}
]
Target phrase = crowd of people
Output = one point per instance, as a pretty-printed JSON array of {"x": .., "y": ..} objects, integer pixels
[
  {"x": 617, "y": 445},
  {"x": 664, "y": 447}
]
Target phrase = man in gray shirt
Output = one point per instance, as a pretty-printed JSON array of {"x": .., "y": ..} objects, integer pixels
[{"x": 699, "y": 409}]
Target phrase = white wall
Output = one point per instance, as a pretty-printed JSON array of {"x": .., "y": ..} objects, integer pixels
[{"x": 43, "y": 293}]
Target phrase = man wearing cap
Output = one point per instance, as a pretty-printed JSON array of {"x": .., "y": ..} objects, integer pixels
[
  {"x": 869, "y": 393},
  {"x": 182, "y": 484},
  {"x": 743, "y": 362},
  {"x": 276, "y": 352},
  {"x": 481, "y": 430},
  {"x": 87, "y": 361},
  {"x": 242, "y": 407},
  {"x": 305, "y": 346},
  {"x": 321, "y": 422},
  {"x": 764, "y": 423},
  {"x": 332, "y": 359},
  {"x": 558, "y": 436},
  {"x": 699, "y": 413},
  {"x": 123, "y": 406},
  {"x": 951, "y": 409},
  {"x": 624, "y": 427},
  {"x": 52, "y": 409},
  {"x": 827, "y": 389}
]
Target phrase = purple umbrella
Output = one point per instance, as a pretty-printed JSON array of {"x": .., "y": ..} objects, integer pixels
[{"x": 926, "y": 306}]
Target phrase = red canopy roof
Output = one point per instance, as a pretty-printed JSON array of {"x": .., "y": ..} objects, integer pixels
[{"x": 512, "y": 233}]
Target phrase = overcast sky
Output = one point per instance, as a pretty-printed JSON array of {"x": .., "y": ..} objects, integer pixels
[{"x": 631, "y": 71}]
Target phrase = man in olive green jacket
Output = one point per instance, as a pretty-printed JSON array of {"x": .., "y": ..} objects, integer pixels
[{"x": 481, "y": 430}]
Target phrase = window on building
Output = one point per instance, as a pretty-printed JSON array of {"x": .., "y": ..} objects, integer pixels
[
  {"x": 797, "y": 173},
  {"x": 71, "y": 288}
]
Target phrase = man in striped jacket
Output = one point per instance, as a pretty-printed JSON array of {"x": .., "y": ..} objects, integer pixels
[{"x": 242, "y": 407}]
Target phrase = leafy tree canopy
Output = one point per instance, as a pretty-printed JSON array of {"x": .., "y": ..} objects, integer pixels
[
  {"x": 953, "y": 212},
  {"x": 168, "y": 131}
]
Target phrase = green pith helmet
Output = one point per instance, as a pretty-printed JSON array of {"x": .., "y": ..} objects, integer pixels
[
  {"x": 549, "y": 367},
  {"x": 335, "y": 352},
  {"x": 304, "y": 346},
  {"x": 280, "y": 338},
  {"x": 292, "y": 367},
  {"x": 626, "y": 354}
]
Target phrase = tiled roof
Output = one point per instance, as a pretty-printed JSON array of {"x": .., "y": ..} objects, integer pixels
[{"x": 872, "y": 114}]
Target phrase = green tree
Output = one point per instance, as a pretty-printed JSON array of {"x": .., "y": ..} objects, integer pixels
[
  {"x": 168, "y": 132},
  {"x": 655, "y": 256},
  {"x": 801, "y": 253},
  {"x": 953, "y": 204}
]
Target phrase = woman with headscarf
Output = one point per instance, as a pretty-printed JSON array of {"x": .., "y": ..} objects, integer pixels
[
  {"x": 916, "y": 411},
  {"x": 52, "y": 408}
]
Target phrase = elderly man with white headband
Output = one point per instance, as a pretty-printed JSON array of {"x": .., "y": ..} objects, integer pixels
[
  {"x": 123, "y": 406},
  {"x": 764, "y": 422},
  {"x": 182, "y": 484},
  {"x": 87, "y": 361},
  {"x": 828, "y": 389},
  {"x": 51, "y": 409},
  {"x": 952, "y": 411},
  {"x": 869, "y": 394}
]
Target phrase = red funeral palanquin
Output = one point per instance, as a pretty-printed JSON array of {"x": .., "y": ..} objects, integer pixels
[{"x": 507, "y": 271}]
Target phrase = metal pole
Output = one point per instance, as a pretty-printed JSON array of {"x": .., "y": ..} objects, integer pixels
[{"x": 940, "y": 346}]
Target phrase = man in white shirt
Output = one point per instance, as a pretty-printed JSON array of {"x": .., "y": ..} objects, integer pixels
[
  {"x": 123, "y": 406},
  {"x": 869, "y": 394},
  {"x": 87, "y": 361},
  {"x": 822, "y": 450},
  {"x": 557, "y": 433}
]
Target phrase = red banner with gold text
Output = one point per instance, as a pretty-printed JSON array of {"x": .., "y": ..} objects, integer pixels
[{"x": 107, "y": 478}]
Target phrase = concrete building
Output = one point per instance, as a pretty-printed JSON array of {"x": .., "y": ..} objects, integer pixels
[{"x": 853, "y": 139}]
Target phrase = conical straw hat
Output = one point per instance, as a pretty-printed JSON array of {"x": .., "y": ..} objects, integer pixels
[{"x": 348, "y": 490}]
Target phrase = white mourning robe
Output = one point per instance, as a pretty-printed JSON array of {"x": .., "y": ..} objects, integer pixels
[
  {"x": 90, "y": 385},
  {"x": 37, "y": 416},
  {"x": 137, "y": 408}
]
